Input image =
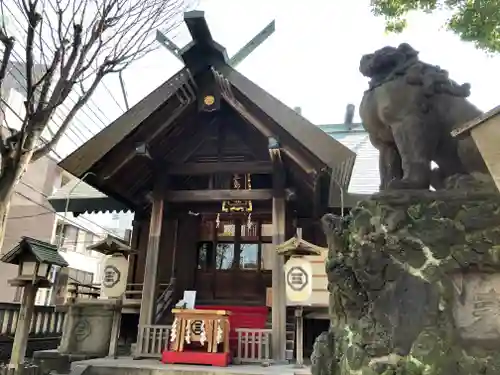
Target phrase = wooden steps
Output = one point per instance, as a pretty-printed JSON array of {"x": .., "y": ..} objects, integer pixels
[{"x": 290, "y": 332}]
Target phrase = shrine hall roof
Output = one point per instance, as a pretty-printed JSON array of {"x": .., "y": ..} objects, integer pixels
[
  {"x": 169, "y": 110},
  {"x": 365, "y": 178}
]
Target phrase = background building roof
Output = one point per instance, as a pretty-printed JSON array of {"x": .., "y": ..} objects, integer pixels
[{"x": 365, "y": 175}]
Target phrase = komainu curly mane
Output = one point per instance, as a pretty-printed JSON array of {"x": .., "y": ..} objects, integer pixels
[{"x": 390, "y": 63}]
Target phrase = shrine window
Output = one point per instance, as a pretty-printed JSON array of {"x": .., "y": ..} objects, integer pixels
[
  {"x": 267, "y": 232},
  {"x": 205, "y": 255},
  {"x": 249, "y": 233},
  {"x": 226, "y": 230},
  {"x": 236, "y": 244},
  {"x": 224, "y": 256},
  {"x": 249, "y": 256}
]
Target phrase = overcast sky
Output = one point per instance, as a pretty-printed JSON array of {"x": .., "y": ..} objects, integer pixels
[{"x": 310, "y": 61}]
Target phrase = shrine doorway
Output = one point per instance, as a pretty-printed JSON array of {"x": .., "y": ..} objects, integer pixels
[{"x": 234, "y": 262}]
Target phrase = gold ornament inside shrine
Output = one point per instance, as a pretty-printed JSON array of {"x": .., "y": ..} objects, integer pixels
[{"x": 239, "y": 182}]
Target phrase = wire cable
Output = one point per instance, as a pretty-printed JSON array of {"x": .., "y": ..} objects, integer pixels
[
  {"x": 62, "y": 105},
  {"x": 106, "y": 231},
  {"x": 74, "y": 125},
  {"x": 23, "y": 29},
  {"x": 56, "y": 114}
]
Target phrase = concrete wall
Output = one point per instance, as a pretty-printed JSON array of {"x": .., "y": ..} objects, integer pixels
[{"x": 30, "y": 215}]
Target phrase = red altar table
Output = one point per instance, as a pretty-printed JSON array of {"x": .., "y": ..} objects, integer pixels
[{"x": 241, "y": 317}]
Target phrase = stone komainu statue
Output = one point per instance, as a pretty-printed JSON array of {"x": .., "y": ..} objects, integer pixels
[{"x": 409, "y": 111}]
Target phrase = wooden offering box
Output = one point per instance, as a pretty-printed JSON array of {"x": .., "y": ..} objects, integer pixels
[{"x": 199, "y": 337}]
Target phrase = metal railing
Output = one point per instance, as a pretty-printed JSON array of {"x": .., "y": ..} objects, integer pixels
[
  {"x": 164, "y": 300},
  {"x": 254, "y": 345},
  {"x": 152, "y": 340}
]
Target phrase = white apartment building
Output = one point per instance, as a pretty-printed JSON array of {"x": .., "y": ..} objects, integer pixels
[{"x": 31, "y": 214}]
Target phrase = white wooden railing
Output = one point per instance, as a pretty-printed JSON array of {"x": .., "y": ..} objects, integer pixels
[
  {"x": 46, "y": 321},
  {"x": 254, "y": 345},
  {"x": 152, "y": 340},
  {"x": 133, "y": 293}
]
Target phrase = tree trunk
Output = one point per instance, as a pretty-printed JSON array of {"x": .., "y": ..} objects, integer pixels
[
  {"x": 4, "y": 212},
  {"x": 10, "y": 178}
]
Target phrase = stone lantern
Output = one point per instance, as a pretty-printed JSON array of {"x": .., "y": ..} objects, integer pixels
[
  {"x": 92, "y": 326},
  {"x": 298, "y": 278},
  {"x": 35, "y": 260}
]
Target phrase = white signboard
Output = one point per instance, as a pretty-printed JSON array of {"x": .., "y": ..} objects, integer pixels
[
  {"x": 114, "y": 280},
  {"x": 298, "y": 278}
]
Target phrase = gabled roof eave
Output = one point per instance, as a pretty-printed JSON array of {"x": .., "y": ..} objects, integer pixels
[
  {"x": 82, "y": 159},
  {"x": 329, "y": 151}
]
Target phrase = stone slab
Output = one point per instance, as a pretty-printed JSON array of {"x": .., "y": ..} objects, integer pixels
[
  {"x": 129, "y": 366},
  {"x": 52, "y": 360}
]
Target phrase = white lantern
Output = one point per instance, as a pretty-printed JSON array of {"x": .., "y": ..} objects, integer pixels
[
  {"x": 114, "y": 280},
  {"x": 298, "y": 278}
]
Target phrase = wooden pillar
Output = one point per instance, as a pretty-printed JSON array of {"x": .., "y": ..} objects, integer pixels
[
  {"x": 278, "y": 277},
  {"x": 278, "y": 286},
  {"x": 174, "y": 251},
  {"x": 299, "y": 334},
  {"x": 115, "y": 330},
  {"x": 149, "y": 288},
  {"x": 23, "y": 326},
  {"x": 134, "y": 244}
]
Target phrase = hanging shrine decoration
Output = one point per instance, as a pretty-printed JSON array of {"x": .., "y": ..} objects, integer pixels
[{"x": 239, "y": 182}]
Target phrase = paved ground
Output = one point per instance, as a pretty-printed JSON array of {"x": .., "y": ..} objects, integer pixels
[{"x": 154, "y": 367}]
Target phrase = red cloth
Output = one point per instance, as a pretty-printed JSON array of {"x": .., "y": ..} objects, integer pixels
[{"x": 241, "y": 317}]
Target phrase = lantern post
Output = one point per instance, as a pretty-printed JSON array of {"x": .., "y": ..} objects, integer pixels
[
  {"x": 298, "y": 277},
  {"x": 35, "y": 260}
]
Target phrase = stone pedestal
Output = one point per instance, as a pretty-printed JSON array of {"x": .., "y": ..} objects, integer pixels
[
  {"x": 415, "y": 284},
  {"x": 88, "y": 326}
]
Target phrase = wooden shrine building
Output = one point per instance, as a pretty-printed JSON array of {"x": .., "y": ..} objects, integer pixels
[{"x": 218, "y": 172}]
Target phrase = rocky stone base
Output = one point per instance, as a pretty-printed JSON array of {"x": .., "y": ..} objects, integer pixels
[
  {"x": 51, "y": 361},
  {"x": 415, "y": 284}
]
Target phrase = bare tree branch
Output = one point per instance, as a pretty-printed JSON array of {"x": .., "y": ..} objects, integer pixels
[
  {"x": 8, "y": 45},
  {"x": 67, "y": 49},
  {"x": 46, "y": 148}
]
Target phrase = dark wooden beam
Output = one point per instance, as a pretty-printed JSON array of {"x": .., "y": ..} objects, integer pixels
[
  {"x": 279, "y": 174},
  {"x": 320, "y": 194},
  {"x": 220, "y": 167},
  {"x": 303, "y": 161},
  {"x": 190, "y": 143},
  {"x": 218, "y": 195},
  {"x": 157, "y": 122}
]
